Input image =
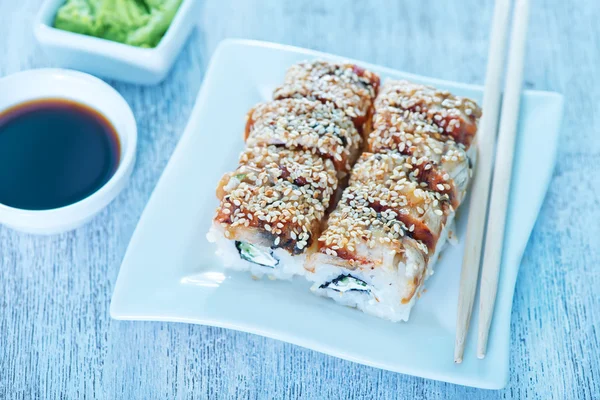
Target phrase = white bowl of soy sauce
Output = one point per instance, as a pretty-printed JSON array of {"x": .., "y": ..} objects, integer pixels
[{"x": 67, "y": 148}]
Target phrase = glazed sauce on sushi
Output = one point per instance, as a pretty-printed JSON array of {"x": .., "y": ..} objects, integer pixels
[{"x": 54, "y": 152}]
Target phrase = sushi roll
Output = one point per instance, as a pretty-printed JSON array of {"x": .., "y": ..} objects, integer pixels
[
  {"x": 444, "y": 165},
  {"x": 420, "y": 109},
  {"x": 306, "y": 125},
  {"x": 390, "y": 182},
  {"x": 349, "y": 87},
  {"x": 433, "y": 127},
  {"x": 382, "y": 239},
  {"x": 271, "y": 209}
]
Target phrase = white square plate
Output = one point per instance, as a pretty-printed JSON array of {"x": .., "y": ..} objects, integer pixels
[{"x": 170, "y": 273}]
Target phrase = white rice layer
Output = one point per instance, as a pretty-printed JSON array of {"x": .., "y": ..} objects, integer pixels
[{"x": 288, "y": 266}]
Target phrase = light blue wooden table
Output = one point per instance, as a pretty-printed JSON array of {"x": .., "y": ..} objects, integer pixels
[{"x": 56, "y": 337}]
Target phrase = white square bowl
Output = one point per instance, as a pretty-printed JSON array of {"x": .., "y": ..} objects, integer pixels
[
  {"x": 170, "y": 273},
  {"x": 110, "y": 59}
]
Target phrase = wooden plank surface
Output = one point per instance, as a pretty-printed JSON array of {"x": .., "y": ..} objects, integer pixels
[{"x": 56, "y": 337}]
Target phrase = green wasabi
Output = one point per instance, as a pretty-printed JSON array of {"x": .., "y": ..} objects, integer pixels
[{"x": 140, "y": 23}]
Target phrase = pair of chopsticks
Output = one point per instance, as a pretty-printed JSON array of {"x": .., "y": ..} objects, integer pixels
[{"x": 502, "y": 174}]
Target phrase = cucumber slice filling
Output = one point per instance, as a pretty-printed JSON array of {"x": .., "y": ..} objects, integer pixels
[
  {"x": 347, "y": 283},
  {"x": 256, "y": 255}
]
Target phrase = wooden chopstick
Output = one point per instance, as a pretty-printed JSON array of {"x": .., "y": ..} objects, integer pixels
[
  {"x": 481, "y": 180},
  {"x": 502, "y": 174}
]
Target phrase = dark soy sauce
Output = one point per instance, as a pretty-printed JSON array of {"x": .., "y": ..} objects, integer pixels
[{"x": 54, "y": 152}]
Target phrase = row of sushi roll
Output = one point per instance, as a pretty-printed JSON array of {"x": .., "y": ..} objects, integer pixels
[
  {"x": 352, "y": 185},
  {"x": 394, "y": 218},
  {"x": 300, "y": 148}
]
